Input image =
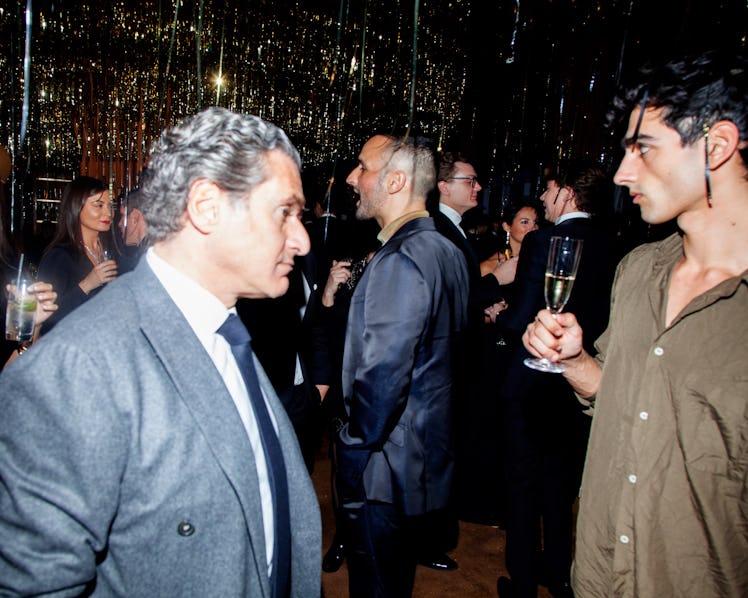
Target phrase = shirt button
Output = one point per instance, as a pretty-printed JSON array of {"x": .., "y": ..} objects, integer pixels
[
  {"x": 632, "y": 478},
  {"x": 659, "y": 351},
  {"x": 624, "y": 539},
  {"x": 185, "y": 528},
  {"x": 644, "y": 416}
]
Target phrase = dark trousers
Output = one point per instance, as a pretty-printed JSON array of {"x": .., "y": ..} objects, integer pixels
[
  {"x": 335, "y": 416},
  {"x": 380, "y": 551},
  {"x": 545, "y": 435},
  {"x": 302, "y": 404},
  {"x": 435, "y": 533}
]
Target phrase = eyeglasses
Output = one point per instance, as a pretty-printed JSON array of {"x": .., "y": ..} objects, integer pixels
[{"x": 473, "y": 179}]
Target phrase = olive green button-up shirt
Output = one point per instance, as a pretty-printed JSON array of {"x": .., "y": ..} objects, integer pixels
[{"x": 664, "y": 500}]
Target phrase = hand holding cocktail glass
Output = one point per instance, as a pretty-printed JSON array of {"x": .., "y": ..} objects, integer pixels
[
  {"x": 20, "y": 315},
  {"x": 561, "y": 271},
  {"x": 30, "y": 303},
  {"x": 44, "y": 297}
]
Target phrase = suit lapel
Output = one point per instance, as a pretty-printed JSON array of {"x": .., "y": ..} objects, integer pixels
[
  {"x": 449, "y": 230},
  {"x": 204, "y": 393}
]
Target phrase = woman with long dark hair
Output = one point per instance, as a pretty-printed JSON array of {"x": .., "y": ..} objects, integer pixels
[{"x": 76, "y": 261}]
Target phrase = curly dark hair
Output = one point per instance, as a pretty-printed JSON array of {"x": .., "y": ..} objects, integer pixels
[
  {"x": 592, "y": 186},
  {"x": 694, "y": 91}
]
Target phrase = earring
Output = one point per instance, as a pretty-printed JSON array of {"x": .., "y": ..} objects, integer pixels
[
  {"x": 507, "y": 238},
  {"x": 705, "y": 128}
]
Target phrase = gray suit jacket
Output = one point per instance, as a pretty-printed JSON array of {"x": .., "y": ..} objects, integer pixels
[
  {"x": 404, "y": 323},
  {"x": 125, "y": 469}
]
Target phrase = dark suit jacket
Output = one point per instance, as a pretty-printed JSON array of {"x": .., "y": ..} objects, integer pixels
[
  {"x": 484, "y": 290},
  {"x": 279, "y": 334},
  {"x": 117, "y": 431},
  {"x": 329, "y": 238},
  {"x": 590, "y": 297},
  {"x": 589, "y": 302},
  {"x": 406, "y": 314},
  {"x": 474, "y": 397}
]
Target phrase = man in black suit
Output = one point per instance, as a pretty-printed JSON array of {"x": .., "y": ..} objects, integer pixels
[
  {"x": 133, "y": 231},
  {"x": 328, "y": 233},
  {"x": 458, "y": 188},
  {"x": 544, "y": 429},
  {"x": 292, "y": 347}
]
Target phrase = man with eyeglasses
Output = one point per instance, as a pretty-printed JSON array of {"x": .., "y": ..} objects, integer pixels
[
  {"x": 458, "y": 188},
  {"x": 663, "y": 500}
]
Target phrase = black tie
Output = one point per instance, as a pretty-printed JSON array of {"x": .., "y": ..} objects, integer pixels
[{"x": 237, "y": 336}]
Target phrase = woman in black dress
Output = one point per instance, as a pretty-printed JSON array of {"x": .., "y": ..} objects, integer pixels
[{"x": 76, "y": 261}]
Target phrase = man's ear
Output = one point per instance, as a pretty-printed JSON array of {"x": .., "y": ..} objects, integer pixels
[
  {"x": 443, "y": 187},
  {"x": 204, "y": 205},
  {"x": 396, "y": 180},
  {"x": 569, "y": 197},
  {"x": 724, "y": 141},
  {"x": 135, "y": 216}
]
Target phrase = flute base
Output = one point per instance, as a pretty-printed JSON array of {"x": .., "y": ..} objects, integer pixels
[{"x": 544, "y": 365}]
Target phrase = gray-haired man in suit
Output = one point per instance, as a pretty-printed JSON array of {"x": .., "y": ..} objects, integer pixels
[{"x": 132, "y": 454}]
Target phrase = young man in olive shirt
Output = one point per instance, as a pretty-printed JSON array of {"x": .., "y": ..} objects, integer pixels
[{"x": 663, "y": 509}]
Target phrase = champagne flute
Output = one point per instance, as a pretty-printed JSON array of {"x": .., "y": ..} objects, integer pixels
[{"x": 560, "y": 273}]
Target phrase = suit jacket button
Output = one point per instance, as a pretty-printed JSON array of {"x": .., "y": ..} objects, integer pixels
[{"x": 185, "y": 528}]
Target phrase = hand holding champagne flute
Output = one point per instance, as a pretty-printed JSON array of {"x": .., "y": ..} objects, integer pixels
[{"x": 560, "y": 273}]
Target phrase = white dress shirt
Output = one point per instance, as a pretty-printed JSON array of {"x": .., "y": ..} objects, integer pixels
[
  {"x": 454, "y": 216},
  {"x": 205, "y": 314},
  {"x": 571, "y": 215}
]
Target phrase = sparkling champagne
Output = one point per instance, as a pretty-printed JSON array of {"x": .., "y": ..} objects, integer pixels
[
  {"x": 557, "y": 290},
  {"x": 561, "y": 270}
]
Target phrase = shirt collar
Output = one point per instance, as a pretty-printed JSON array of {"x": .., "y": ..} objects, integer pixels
[
  {"x": 454, "y": 216},
  {"x": 203, "y": 310},
  {"x": 571, "y": 215},
  {"x": 388, "y": 231}
]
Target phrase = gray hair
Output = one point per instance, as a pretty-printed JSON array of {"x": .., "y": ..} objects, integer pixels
[
  {"x": 415, "y": 157},
  {"x": 216, "y": 144}
]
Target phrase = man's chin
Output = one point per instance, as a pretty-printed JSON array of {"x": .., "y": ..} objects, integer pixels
[
  {"x": 270, "y": 291},
  {"x": 280, "y": 288}
]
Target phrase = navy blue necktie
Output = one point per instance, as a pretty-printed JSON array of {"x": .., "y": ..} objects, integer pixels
[{"x": 237, "y": 336}]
